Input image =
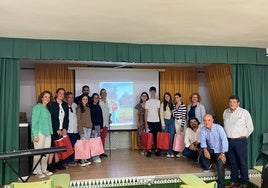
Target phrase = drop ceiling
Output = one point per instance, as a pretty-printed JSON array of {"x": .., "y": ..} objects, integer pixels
[{"x": 188, "y": 22}]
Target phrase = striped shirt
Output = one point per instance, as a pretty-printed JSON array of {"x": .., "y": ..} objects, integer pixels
[{"x": 180, "y": 113}]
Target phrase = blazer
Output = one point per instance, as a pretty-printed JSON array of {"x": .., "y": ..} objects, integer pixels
[{"x": 54, "y": 110}]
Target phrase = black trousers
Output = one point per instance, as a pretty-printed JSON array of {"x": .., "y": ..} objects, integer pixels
[{"x": 154, "y": 127}]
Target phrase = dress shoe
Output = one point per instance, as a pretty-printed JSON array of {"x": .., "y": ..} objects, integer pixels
[
  {"x": 59, "y": 166},
  {"x": 244, "y": 186},
  {"x": 233, "y": 185}
]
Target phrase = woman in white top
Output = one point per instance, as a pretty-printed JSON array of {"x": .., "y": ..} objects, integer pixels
[{"x": 167, "y": 121}]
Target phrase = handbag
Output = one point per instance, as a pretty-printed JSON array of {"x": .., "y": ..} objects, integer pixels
[
  {"x": 96, "y": 146},
  {"x": 178, "y": 144},
  {"x": 64, "y": 141},
  {"x": 163, "y": 140},
  {"x": 82, "y": 149},
  {"x": 146, "y": 140}
]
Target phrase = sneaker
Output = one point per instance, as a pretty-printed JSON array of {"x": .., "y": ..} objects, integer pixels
[
  {"x": 47, "y": 173},
  {"x": 179, "y": 155},
  {"x": 82, "y": 163},
  {"x": 210, "y": 166},
  {"x": 168, "y": 156},
  {"x": 87, "y": 162},
  {"x": 40, "y": 175},
  {"x": 172, "y": 155},
  {"x": 72, "y": 163},
  {"x": 97, "y": 160},
  {"x": 207, "y": 170},
  {"x": 149, "y": 154}
]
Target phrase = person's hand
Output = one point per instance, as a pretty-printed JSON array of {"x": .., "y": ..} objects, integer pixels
[
  {"x": 36, "y": 138},
  {"x": 206, "y": 153},
  {"x": 222, "y": 157},
  {"x": 93, "y": 131},
  {"x": 193, "y": 147},
  {"x": 110, "y": 121},
  {"x": 146, "y": 125},
  {"x": 59, "y": 132},
  {"x": 101, "y": 130},
  {"x": 64, "y": 132}
]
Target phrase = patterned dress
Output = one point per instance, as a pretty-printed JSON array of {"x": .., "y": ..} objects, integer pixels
[{"x": 141, "y": 120}]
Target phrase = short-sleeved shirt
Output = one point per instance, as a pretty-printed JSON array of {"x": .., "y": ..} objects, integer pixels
[{"x": 152, "y": 105}]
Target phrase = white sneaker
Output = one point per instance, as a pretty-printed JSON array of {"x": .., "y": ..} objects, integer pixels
[
  {"x": 172, "y": 155},
  {"x": 168, "y": 156},
  {"x": 82, "y": 163},
  {"x": 179, "y": 155},
  {"x": 97, "y": 160},
  {"x": 48, "y": 173},
  {"x": 87, "y": 162},
  {"x": 40, "y": 175}
]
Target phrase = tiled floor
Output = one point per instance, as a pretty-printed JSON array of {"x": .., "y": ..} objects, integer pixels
[{"x": 128, "y": 163}]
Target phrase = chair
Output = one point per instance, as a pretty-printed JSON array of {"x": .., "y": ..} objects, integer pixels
[
  {"x": 192, "y": 181},
  {"x": 39, "y": 184},
  {"x": 61, "y": 180},
  {"x": 264, "y": 177},
  {"x": 264, "y": 147}
]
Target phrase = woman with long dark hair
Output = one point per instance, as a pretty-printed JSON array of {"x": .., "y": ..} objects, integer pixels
[
  {"x": 140, "y": 119},
  {"x": 59, "y": 111},
  {"x": 167, "y": 120},
  {"x": 97, "y": 121}
]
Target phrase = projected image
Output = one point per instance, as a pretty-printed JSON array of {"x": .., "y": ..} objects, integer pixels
[{"x": 120, "y": 99}]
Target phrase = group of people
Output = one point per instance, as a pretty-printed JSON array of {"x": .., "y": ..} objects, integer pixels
[
  {"x": 205, "y": 142},
  {"x": 83, "y": 117}
]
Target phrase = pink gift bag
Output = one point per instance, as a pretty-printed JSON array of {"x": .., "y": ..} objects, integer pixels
[
  {"x": 96, "y": 147},
  {"x": 82, "y": 149},
  {"x": 178, "y": 144}
]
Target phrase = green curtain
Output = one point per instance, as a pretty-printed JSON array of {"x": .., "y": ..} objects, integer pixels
[
  {"x": 250, "y": 84},
  {"x": 9, "y": 116}
]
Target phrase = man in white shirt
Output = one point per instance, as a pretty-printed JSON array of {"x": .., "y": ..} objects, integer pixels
[
  {"x": 238, "y": 126},
  {"x": 106, "y": 116},
  {"x": 192, "y": 140},
  {"x": 73, "y": 127},
  {"x": 152, "y": 120}
]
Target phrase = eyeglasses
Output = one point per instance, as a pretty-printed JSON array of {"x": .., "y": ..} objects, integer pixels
[{"x": 71, "y": 109}]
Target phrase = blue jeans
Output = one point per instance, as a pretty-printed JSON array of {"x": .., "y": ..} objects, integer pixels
[
  {"x": 97, "y": 134},
  {"x": 191, "y": 154},
  {"x": 205, "y": 163},
  {"x": 87, "y": 133},
  {"x": 238, "y": 160},
  {"x": 170, "y": 128}
]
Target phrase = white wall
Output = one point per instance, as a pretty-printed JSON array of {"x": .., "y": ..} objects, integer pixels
[
  {"x": 27, "y": 92},
  {"x": 204, "y": 93}
]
